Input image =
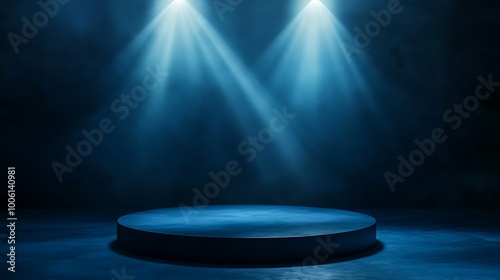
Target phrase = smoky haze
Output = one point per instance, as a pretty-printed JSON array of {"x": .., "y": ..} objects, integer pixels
[{"x": 66, "y": 78}]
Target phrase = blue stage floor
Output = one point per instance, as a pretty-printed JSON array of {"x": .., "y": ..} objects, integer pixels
[{"x": 417, "y": 244}]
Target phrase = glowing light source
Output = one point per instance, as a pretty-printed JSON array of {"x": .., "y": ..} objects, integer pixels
[
  {"x": 196, "y": 55},
  {"x": 307, "y": 52},
  {"x": 206, "y": 74},
  {"x": 181, "y": 42},
  {"x": 177, "y": 1}
]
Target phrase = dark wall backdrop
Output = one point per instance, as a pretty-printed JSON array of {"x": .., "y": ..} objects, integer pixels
[{"x": 429, "y": 58}]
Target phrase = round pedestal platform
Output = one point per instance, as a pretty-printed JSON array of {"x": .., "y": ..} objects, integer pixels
[{"x": 246, "y": 233}]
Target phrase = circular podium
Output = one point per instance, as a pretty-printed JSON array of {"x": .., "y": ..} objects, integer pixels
[{"x": 246, "y": 233}]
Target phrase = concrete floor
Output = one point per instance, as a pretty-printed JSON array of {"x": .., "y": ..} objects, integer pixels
[{"x": 417, "y": 244}]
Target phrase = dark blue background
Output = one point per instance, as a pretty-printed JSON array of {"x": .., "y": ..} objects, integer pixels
[{"x": 59, "y": 84}]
